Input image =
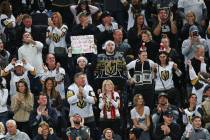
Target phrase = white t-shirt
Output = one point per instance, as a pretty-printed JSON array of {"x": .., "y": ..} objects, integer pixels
[
  {"x": 166, "y": 75},
  {"x": 141, "y": 118}
]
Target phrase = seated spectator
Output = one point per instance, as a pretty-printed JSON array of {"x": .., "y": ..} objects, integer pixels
[
  {"x": 45, "y": 132},
  {"x": 81, "y": 99},
  {"x": 163, "y": 105},
  {"x": 53, "y": 69},
  {"x": 43, "y": 112},
  {"x": 22, "y": 105},
  {"x": 3, "y": 102},
  {"x": 164, "y": 77},
  {"x": 4, "y": 55},
  {"x": 77, "y": 129},
  {"x": 2, "y": 131},
  {"x": 140, "y": 116},
  {"x": 13, "y": 133},
  {"x": 197, "y": 132},
  {"x": 83, "y": 6},
  {"x": 105, "y": 30},
  {"x": 205, "y": 107},
  {"x": 135, "y": 32},
  {"x": 189, "y": 45},
  {"x": 108, "y": 134},
  {"x": 109, "y": 104},
  {"x": 8, "y": 23},
  {"x": 192, "y": 110},
  {"x": 167, "y": 130},
  {"x": 133, "y": 134},
  {"x": 19, "y": 69}
]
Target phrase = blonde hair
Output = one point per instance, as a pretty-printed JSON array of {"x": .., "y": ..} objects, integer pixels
[
  {"x": 190, "y": 12},
  {"x": 105, "y": 82},
  {"x": 2, "y": 128},
  {"x": 135, "y": 98},
  {"x": 60, "y": 21},
  {"x": 147, "y": 32}
]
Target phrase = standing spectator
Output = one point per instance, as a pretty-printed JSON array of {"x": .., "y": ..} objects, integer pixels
[
  {"x": 122, "y": 46},
  {"x": 53, "y": 69},
  {"x": 198, "y": 61},
  {"x": 81, "y": 98},
  {"x": 135, "y": 32},
  {"x": 3, "y": 102},
  {"x": 205, "y": 107},
  {"x": 4, "y": 55},
  {"x": 105, "y": 30},
  {"x": 7, "y": 26},
  {"x": 135, "y": 8},
  {"x": 31, "y": 51},
  {"x": 56, "y": 33},
  {"x": 189, "y": 45},
  {"x": 165, "y": 26},
  {"x": 43, "y": 112},
  {"x": 111, "y": 65},
  {"x": 13, "y": 133},
  {"x": 167, "y": 129},
  {"x": 140, "y": 116},
  {"x": 149, "y": 44},
  {"x": 83, "y": 6},
  {"x": 19, "y": 70},
  {"x": 142, "y": 79},
  {"x": 197, "y": 132},
  {"x": 45, "y": 132},
  {"x": 22, "y": 105},
  {"x": 164, "y": 78},
  {"x": 77, "y": 129},
  {"x": 199, "y": 8},
  {"x": 109, "y": 104},
  {"x": 190, "y": 20}
]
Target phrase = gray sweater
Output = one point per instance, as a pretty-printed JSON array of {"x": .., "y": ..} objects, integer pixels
[
  {"x": 198, "y": 134},
  {"x": 19, "y": 136}
]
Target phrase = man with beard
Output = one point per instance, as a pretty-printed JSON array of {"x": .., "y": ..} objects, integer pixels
[{"x": 77, "y": 131}]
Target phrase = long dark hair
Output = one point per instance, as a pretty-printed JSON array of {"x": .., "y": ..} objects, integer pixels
[
  {"x": 79, "y": 9},
  {"x": 1, "y": 85},
  {"x": 135, "y": 22},
  {"x": 26, "y": 86},
  {"x": 53, "y": 93},
  {"x": 167, "y": 58}
]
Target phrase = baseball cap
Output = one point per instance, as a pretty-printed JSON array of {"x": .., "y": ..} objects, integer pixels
[
  {"x": 81, "y": 14},
  {"x": 18, "y": 63},
  {"x": 82, "y": 58},
  {"x": 193, "y": 28},
  {"x": 168, "y": 113},
  {"x": 105, "y": 14},
  {"x": 163, "y": 94}
]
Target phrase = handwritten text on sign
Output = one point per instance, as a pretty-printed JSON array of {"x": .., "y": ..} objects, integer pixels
[{"x": 82, "y": 44}]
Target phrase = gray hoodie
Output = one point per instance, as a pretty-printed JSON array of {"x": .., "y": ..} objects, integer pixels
[
  {"x": 197, "y": 134},
  {"x": 19, "y": 136}
]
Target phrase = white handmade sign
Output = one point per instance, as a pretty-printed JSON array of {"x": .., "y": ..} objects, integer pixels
[{"x": 82, "y": 44}]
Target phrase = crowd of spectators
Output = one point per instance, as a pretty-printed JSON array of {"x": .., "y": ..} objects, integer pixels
[{"x": 104, "y": 69}]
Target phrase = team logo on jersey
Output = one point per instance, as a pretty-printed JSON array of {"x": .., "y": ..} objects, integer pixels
[
  {"x": 81, "y": 104},
  {"x": 111, "y": 68},
  {"x": 56, "y": 38},
  {"x": 165, "y": 75}
]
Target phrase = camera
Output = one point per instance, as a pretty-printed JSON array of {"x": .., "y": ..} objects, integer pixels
[{"x": 195, "y": 33}]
